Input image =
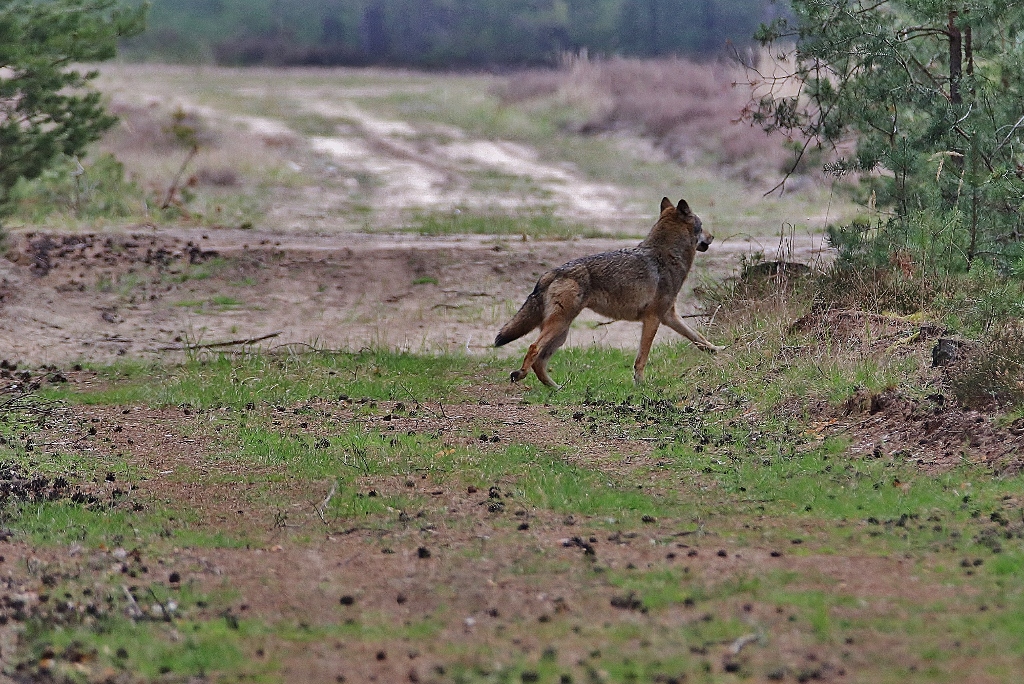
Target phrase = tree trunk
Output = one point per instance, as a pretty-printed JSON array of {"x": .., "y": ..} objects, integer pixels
[
  {"x": 955, "y": 59},
  {"x": 973, "y": 247}
]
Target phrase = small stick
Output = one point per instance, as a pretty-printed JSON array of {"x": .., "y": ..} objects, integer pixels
[
  {"x": 163, "y": 606},
  {"x": 133, "y": 606},
  {"x": 738, "y": 645},
  {"x": 696, "y": 315},
  {"x": 323, "y": 504},
  {"x": 229, "y": 343},
  {"x": 177, "y": 177}
]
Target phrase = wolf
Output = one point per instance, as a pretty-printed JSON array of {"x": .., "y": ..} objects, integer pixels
[{"x": 638, "y": 284}]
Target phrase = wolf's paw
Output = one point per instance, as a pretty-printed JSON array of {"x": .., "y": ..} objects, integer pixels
[
  {"x": 713, "y": 349},
  {"x": 517, "y": 375}
]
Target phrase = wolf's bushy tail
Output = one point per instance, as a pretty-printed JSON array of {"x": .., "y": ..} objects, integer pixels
[{"x": 529, "y": 316}]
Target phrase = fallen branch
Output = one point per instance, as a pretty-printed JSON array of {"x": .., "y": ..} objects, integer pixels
[
  {"x": 165, "y": 608},
  {"x": 696, "y": 315},
  {"x": 229, "y": 343},
  {"x": 133, "y": 609},
  {"x": 738, "y": 645},
  {"x": 9, "y": 402}
]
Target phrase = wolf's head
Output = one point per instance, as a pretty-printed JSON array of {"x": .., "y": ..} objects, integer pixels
[{"x": 702, "y": 237}]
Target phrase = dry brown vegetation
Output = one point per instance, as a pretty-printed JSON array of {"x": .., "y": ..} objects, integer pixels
[{"x": 693, "y": 112}]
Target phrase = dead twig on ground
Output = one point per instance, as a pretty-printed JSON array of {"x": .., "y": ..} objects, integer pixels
[
  {"x": 229, "y": 343},
  {"x": 323, "y": 504},
  {"x": 134, "y": 611},
  {"x": 166, "y": 609},
  {"x": 696, "y": 315}
]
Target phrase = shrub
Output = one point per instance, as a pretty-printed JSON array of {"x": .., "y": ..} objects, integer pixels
[
  {"x": 992, "y": 374},
  {"x": 48, "y": 110},
  {"x": 97, "y": 190},
  {"x": 909, "y": 272}
]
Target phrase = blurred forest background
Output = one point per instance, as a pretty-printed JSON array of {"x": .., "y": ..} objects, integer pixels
[{"x": 442, "y": 33}]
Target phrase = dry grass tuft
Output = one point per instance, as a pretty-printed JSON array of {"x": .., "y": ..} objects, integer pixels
[
  {"x": 152, "y": 128},
  {"x": 226, "y": 174},
  {"x": 992, "y": 375},
  {"x": 691, "y": 110}
]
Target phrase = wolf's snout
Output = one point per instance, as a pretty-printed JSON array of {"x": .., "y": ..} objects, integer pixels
[{"x": 704, "y": 242}]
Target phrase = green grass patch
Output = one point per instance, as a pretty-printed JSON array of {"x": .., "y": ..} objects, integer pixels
[
  {"x": 211, "y": 647},
  {"x": 316, "y": 125},
  {"x": 204, "y": 648},
  {"x": 528, "y": 476},
  {"x": 202, "y": 271},
  {"x": 544, "y": 478},
  {"x": 221, "y": 380},
  {"x": 96, "y": 525},
  {"x": 496, "y": 182},
  {"x": 219, "y": 302}
]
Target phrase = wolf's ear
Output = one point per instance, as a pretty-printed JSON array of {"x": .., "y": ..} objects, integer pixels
[
  {"x": 665, "y": 203},
  {"x": 683, "y": 208}
]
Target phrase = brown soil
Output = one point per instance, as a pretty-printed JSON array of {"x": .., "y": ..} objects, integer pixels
[
  {"x": 68, "y": 298},
  {"x": 930, "y": 432},
  {"x": 458, "y": 560},
  {"x": 496, "y": 576}
]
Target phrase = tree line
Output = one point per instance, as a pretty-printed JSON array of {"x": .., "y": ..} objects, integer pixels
[{"x": 441, "y": 33}]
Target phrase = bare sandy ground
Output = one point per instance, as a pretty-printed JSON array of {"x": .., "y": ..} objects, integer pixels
[
  {"x": 366, "y": 168},
  {"x": 94, "y": 297}
]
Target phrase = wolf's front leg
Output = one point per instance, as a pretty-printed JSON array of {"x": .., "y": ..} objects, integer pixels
[{"x": 672, "y": 320}]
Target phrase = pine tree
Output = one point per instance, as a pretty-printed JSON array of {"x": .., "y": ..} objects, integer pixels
[
  {"x": 932, "y": 93},
  {"x": 46, "y": 109}
]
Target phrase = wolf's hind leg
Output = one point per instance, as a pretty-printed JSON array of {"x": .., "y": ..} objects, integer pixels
[
  {"x": 548, "y": 348},
  {"x": 564, "y": 302},
  {"x": 531, "y": 354},
  {"x": 553, "y": 334},
  {"x": 646, "y": 340},
  {"x": 672, "y": 320}
]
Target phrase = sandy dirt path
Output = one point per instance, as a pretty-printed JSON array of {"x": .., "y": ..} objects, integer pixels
[{"x": 94, "y": 297}]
